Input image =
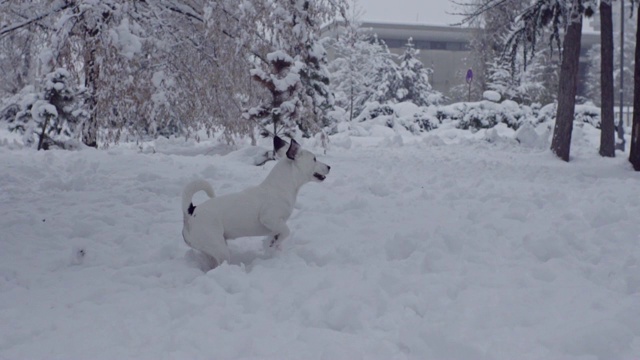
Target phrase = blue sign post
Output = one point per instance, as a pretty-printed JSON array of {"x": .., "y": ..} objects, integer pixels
[{"x": 469, "y": 79}]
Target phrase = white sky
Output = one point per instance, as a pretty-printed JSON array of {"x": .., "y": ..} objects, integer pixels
[{"x": 430, "y": 12}]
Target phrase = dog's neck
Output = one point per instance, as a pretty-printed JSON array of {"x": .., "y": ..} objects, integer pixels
[{"x": 285, "y": 176}]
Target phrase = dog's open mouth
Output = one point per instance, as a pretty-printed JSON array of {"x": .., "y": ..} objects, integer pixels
[{"x": 319, "y": 176}]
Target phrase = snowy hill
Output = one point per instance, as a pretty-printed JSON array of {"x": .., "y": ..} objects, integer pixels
[{"x": 444, "y": 245}]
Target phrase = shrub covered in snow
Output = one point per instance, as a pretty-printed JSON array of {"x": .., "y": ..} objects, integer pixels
[
  {"x": 588, "y": 113},
  {"x": 408, "y": 115},
  {"x": 485, "y": 114},
  {"x": 47, "y": 117},
  {"x": 374, "y": 110},
  {"x": 585, "y": 113},
  {"x": 471, "y": 116},
  {"x": 491, "y": 95}
]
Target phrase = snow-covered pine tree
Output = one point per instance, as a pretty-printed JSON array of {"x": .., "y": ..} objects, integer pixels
[
  {"x": 291, "y": 28},
  {"x": 490, "y": 21},
  {"x": 501, "y": 79},
  {"x": 515, "y": 82},
  {"x": 49, "y": 117},
  {"x": 384, "y": 79},
  {"x": 315, "y": 81},
  {"x": 283, "y": 83},
  {"x": 544, "y": 67},
  {"x": 317, "y": 98},
  {"x": 414, "y": 83},
  {"x": 353, "y": 49}
]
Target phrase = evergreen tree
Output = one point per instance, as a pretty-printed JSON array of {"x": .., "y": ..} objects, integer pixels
[
  {"x": 414, "y": 83},
  {"x": 384, "y": 80},
  {"x": 523, "y": 85},
  {"x": 491, "y": 21},
  {"x": 293, "y": 28},
  {"x": 314, "y": 77},
  {"x": 284, "y": 85},
  {"x": 49, "y": 117},
  {"x": 364, "y": 70},
  {"x": 352, "y": 65}
]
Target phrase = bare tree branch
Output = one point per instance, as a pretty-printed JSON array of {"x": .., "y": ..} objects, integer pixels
[
  {"x": 477, "y": 11},
  {"x": 10, "y": 28}
]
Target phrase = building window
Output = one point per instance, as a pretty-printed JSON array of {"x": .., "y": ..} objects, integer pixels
[
  {"x": 456, "y": 46},
  {"x": 395, "y": 43},
  {"x": 421, "y": 44},
  {"x": 400, "y": 44},
  {"x": 438, "y": 45}
]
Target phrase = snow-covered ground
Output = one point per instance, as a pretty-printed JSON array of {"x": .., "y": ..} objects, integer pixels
[{"x": 447, "y": 245}]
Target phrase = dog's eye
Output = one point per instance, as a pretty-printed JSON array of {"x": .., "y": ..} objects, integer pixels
[{"x": 314, "y": 159}]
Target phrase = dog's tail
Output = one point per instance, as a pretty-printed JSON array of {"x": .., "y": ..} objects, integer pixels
[{"x": 190, "y": 190}]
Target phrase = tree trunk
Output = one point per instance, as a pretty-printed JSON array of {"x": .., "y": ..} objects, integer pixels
[
  {"x": 44, "y": 131},
  {"x": 561, "y": 142},
  {"x": 92, "y": 73},
  {"x": 620, "y": 130},
  {"x": 351, "y": 96},
  {"x": 634, "y": 156},
  {"x": 607, "y": 127}
]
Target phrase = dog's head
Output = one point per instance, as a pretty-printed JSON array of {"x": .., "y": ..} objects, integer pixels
[{"x": 303, "y": 160}]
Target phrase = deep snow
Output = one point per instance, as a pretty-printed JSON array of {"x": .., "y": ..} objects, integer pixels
[{"x": 447, "y": 245}]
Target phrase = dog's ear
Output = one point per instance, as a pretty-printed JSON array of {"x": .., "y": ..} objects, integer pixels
[
  {"x": 279, "y": 146},
  {"x": 293, "y": 149}
]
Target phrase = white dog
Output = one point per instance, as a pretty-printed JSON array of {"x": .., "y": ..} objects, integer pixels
[{"x": 256, "y": 211}]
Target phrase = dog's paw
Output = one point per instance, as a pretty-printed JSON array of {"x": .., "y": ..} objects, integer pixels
[
  {"x": 271, "y": 243},
  {"x": 274, "y": 242},
  {"x": 268, "y": 242}
]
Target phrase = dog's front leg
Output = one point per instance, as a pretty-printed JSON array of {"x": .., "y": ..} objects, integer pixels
[
  {"x": 278, "y": 228},
  {"x": 278, "y": 238}
]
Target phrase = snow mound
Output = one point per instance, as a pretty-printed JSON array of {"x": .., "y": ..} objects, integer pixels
[{"x": 491, "y": 96}]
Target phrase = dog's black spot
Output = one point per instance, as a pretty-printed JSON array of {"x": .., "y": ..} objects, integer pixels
[{"x": 191, "y": 209}]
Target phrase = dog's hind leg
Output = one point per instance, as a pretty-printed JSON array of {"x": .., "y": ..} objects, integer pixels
[{"x": 212, "y": 243}]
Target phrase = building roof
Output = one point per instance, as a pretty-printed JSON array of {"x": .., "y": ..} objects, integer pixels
[
  {"x": 419, "y": 31},
  {"x": 403, "y": 31}
]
